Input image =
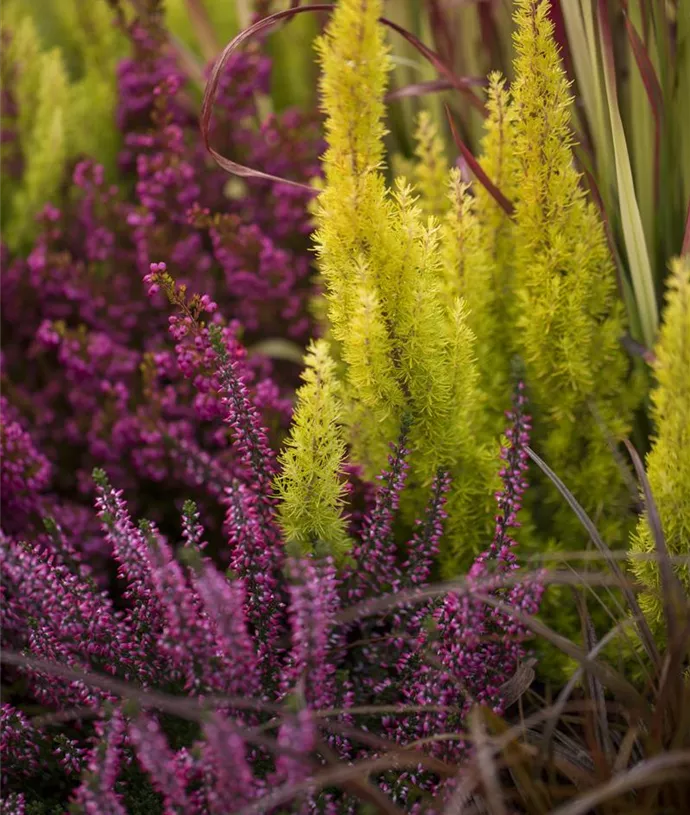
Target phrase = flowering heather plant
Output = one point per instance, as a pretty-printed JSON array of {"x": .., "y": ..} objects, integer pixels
[
  {"x": 265, "y": 637},
  {"x": 104, "y": 386}
]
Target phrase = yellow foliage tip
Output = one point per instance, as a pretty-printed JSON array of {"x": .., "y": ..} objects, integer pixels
[
  {"x": 310, "y": 484},
  {"x": 431, "y": 169},
  {"x": 355, "y": 67}
]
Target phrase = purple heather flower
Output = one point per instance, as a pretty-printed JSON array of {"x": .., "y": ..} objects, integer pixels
[
  {"x": 313, "y": 604},
  {"x": 19, "y": 749},
  {"x": 257, "y": 556},
  {"x": 232, "y": 782},
  {"x": 13, "y": 803},
  {"x": 135, "y": 563},
  {"x": 224, "y": 601},
  {"x": 69, "y": 754},
  {"x": 167, "y": 774},
  {"x": 297, "y": 734},
  {"x": 375, "y": 552},
  {"x": 423, "y": 547},
  {"x": 97, "y": 795},
  {"x": 24, "y": 472}
]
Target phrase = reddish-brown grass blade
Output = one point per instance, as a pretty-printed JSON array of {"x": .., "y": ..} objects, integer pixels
[
  {"x": 476, "y": 168},
  {"x": 457, "y": 83},
  {"x": 433, "y": 86}
]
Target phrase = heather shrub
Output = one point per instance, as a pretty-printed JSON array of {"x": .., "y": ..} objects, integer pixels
[
  {"x": 103, "y": 385},
  {"x": 265, "y": 636}
]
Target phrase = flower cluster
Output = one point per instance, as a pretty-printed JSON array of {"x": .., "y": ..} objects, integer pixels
[
  {"x": 24, "y": 472},
  {"x": 88, "y": 368},
  {"x": 267, "y": 638}
]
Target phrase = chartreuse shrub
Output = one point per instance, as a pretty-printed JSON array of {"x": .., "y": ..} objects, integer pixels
[
  {"x": 312, "y": 493},
  {"x": 38, "y": 151},
  {"x": 407, "y": 349},
  {"x": 570, "y": 321},
  {"x": 432, "y": 303},
  {"x": 96, "y": 45},
  {"x": 478, "y": 251},
  {"x": 59, "y": 73},
  {"x": 668, "y": 463},
  {"x": 477, "y": 239},
  {"x": 429, "y": 169}
]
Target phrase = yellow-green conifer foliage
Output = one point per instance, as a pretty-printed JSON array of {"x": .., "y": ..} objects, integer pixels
[
  {"x": 478, "y": 250},
  {"x": 571, "y": 317},
  {"x": 406, "y": 346},
  {"x": 65, "y": 96},
  {"x": 668, "y": 463},
  {"x": 495, "y": 322},
  {"x": 499, "y": 162},
  {"x": 40, "y": 84},
  {"x": 430, "y": 170},
  {"x": 97, "y": 46},
  {"x": 310, "y": 486},
  {"x": 469, "y": 271}
]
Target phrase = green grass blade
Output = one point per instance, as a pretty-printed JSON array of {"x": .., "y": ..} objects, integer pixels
[{"x": 631, "y": 221}]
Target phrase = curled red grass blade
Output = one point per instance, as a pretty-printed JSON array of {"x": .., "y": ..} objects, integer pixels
[
  {"x": 460, "y": 84},
  {"x": 212, "y": 86},
  {"x": 433, "y": 86}
]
